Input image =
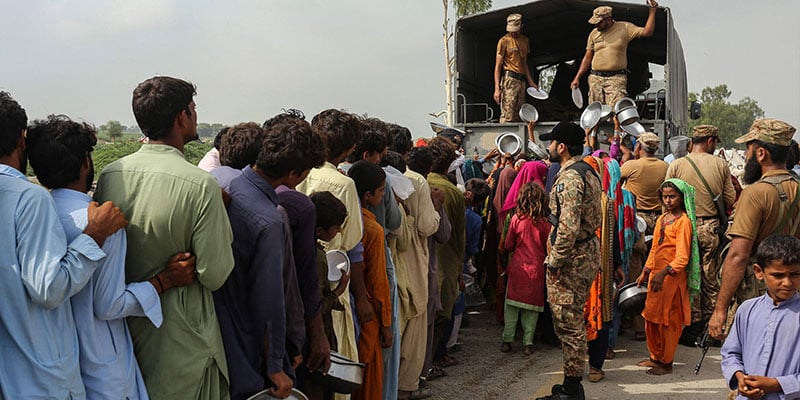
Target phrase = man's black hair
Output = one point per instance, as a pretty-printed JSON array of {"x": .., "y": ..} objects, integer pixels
[
  {"x": 339, "y": 129},
  {"x": 479, "y": 188},
  {"x": 286, "y": 114},
  {"x": 420, "y": 160},
  {"x": 778, "y": 154},
  {"x": 394, "y": 159},
  {"x": 220, "y": 134},
  {"x": 574, "y": 149},
  {"x": 330, "y": 210},
  {"x": 399, "y": 138},
  {"x": 157, "y": 101},
  {"x": 367, "y": 176},
  {"x": 240, "y": 145},
  {"x": 290, "y": 146},
  {"x": 443, "y": 153},
  {"x": 374, "y": 139},
  {"x": 57, "y": 148},
  {"x": 784, "y": 248},
  {"x": 13, "y": 120}
]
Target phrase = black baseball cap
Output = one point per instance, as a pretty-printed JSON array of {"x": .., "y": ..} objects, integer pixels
[{"x": 567, "y": 133}]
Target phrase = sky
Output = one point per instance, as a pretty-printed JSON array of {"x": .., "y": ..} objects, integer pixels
[{"x": 251, "y": 58}]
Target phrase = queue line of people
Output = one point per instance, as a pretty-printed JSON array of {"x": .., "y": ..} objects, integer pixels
[{"x": 223, "y": 285}]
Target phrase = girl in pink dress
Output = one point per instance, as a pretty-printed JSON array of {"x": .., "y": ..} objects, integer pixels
[{"x": 527, "y": 240}]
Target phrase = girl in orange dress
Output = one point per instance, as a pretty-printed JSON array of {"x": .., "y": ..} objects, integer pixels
[{"x": 670, "y": 271}]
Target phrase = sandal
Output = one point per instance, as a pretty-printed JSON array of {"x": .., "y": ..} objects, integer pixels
[
  {"x": 610, "y": 354},
  {"x": 446, "y": 361},
  {"x": 435, "y": 373},
  {"x": 505, "y": 347},
  {"x": 596, "y": 375},
  {"x": 528, "y": 350}
]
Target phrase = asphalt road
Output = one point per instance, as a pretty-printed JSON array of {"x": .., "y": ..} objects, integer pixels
[{"x": 484, "y": 372}]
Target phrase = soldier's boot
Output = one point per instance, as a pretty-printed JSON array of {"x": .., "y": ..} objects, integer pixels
[{"x": 559, "y": 392}]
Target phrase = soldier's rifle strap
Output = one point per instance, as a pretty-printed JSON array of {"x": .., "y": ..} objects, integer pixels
[{"x": 582, "y": 167}]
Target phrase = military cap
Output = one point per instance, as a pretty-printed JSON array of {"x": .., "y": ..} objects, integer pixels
[
  {"x": 599, "y": 14},
  {"x": 705, "y": 131},
  {"x": 514, "y": 22},
  {"x": 649, "y": 140},
  {"x": 567, "y": 133},
  {"x": 769, "y": 130}
]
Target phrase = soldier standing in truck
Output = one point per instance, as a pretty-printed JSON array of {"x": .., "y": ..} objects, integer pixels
[
  {"x": 606, "y": 53},
  {"x": 511, "y": 70}
]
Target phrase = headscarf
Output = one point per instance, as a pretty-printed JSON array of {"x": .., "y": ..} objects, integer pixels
[
  {"x": 693, "y": 269},
  {"x": 531, "y": 171},
  {"x": 507, "y": 176}
]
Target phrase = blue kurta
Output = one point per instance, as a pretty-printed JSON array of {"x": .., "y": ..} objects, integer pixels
[
  {"x": 763, "y": 342},
  {"x": 108, "y": 365},
  {"x": 38, "y": 274},
  {"x": 250, "y": 305}
]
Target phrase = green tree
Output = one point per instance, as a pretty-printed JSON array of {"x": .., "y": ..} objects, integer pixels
[
  {"x": 113, "y": 129},
  {"x": 462, "y": 8},
  {"x": 733, "y": 120}
]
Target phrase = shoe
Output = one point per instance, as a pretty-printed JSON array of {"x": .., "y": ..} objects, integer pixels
[
  {"x": 558, "y": 390},
  {"x": 421, "y": 393},
  {"x": 610, "y": 354},
  {"x": 435, "y": 373},
  {"x": 446, "y": 361},
  {"x": 505, "y": 347},
  {"x": 563, "y": 396},
  {"x": 596, "y": 375},
  {"x": 528, "y": 350}
]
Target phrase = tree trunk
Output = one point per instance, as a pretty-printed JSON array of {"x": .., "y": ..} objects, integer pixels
[{"x": 448, "y": 82}]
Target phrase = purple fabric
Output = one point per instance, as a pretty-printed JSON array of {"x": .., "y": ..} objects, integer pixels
[
  {"x": 531, "y": 171},
  {"x": 303, "y": 221},
  {"x": 250, "y": 305}
]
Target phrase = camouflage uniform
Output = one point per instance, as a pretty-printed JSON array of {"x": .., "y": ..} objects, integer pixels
[
  {"x": 607, "y": 90},
  {"x": 512, "y": 98},
  {"x": 707, "y": 241},
  {"x": 576, "y": 253}
]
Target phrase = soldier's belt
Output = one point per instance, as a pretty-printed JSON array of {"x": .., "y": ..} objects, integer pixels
[
  {"x": 515, "y": 75},
  {"x": 606, "y": 74}
]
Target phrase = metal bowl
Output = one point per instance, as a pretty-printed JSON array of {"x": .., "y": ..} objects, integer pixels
[
  {"x": 509, "y": 143},
  {"x": 528, "y": 113},
  {"x": 634, "y": 129},
  {"x": 605, "y": 111},
  {"x": 631, "y": 298},
  {"x": 345, "y": 376},
  {"x": 538, "y": 94},
  {"x": 591, "y": 115},
  {"x": 624, "y": 103},
  {"x": 264, "y": 395},
  {"x": 577, "y": 97},
  {"x": 627, "y": 116},
  {"x": 338, "y": 263},
  {"x": 539, "y": 151}
]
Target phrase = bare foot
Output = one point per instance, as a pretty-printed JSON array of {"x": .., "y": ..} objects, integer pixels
[
  {"x": 661, "y": 369},
  {"x": 647, "y": 363}
]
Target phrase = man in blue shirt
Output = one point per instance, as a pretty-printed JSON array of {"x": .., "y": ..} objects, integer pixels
[
  {"x": 39, "y": 272},
  {"x": 250, "y": 305},
  {"x": 60, "y": 154}
]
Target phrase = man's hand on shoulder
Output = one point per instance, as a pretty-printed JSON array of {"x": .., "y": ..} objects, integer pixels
[{"x": 104, "y": 220}]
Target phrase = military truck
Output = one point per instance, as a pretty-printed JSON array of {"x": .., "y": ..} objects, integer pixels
[{"x": 558, "y": 32}]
